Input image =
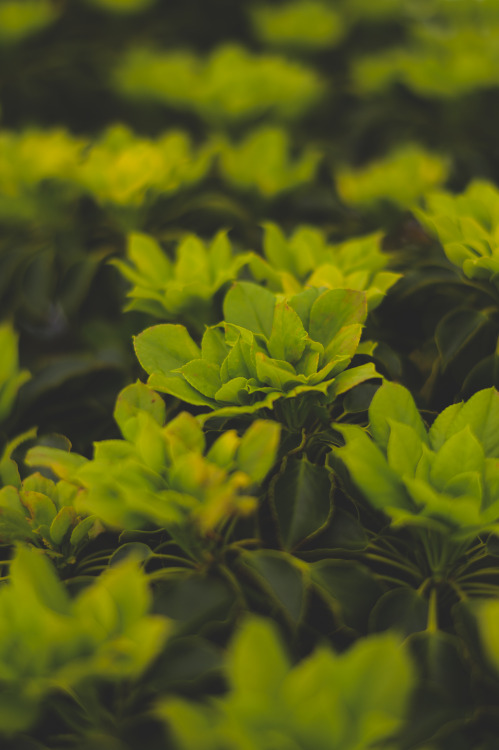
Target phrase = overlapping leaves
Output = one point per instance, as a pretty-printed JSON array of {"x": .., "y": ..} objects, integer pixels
[
  {"x": 42, "y": 512},
  {"x": 467, "y": 225},
  {"x": 231, "y": 84},
  {"x": 445, "y": 478},
  {"x": 182, "y": 288},
  {"x": 50, "y": 643},
  {"x": 267, "y": 349},
  {"x": 165, "y": 475},
  {"x": 402, "y": 177},
  {"x": 263, "y": 162},
  {"x": 306, "y": 259},
  {"x": 326, "y": 702}
]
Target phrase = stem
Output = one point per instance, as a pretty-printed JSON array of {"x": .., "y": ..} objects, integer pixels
[
  {"x": 412, "y": 570},
  {"x": 432, "y": 623},
  {"x": 173, "y": 558}
]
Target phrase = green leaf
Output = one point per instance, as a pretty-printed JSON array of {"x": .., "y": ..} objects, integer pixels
[
  {"x": 460, "y": 453},
  {"x": 459, "y": 512},
  {"x": 258, "y": 449},
  {"x": 348, "y": 379},
  {"x": 257, "y": 663},
  {"x": 234, "y": 391},
  {"x": 250, "y": 306},
  {"x": 276, "y": 373},
  {"x": 288, "y": 338},
  {"x": 203, "y": 376},
  {"x": 148, "y": 257},
  {"x": 301, "y": 497},
  {"x": 370, "y": 471},
  {"x": 82, "y": 531},
  {"x": 401, "y": 609},
  {"x": 133, "y": 400},
  {"x": 487, "y": 619},
  {"x": 481, "y": 413},
  {"x": 32, "y": 571},
  {"x": 303, "y": 302},
  {"x": 334, "y": 309},
  {"x": 62, "y": 463},
  {"x": 14, "y": 526},
  {"x": 224, "y": 449},
  {"x": 343, "y": 346},
  {"x": 281, "y": 580},
  {"x": 213, "y": 346},
  {"x": 457, "y": 330},
  {"x": 175, "y": 385},
  {"x": 164, "y": 348},
  {"x": 349, "y": 589},
  {"x": 404, "y": 448},
  {"x": 276, "y": 248},
  {"x": 442, "y": 427},
  {"x": 193, "y": 599},
  {"x": 393, "y": 402},
  {"x": 62, "y": 525}
]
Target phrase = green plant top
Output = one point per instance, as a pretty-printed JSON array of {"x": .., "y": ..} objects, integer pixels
[
  {"x": 262, "y": 161},
  {"x": 437, "y": 62},
  {"x": 402, "y": 177},
  {"x": 42, "y": 512},
  {"x": 123, "y": 169},
  {"x": 164, "y": 475},
  {"x": 467, "y": 225},
  {"x": 29, "y": 161},
  {"x": 50, "y": 643},
  {"x": 182, "y": 288},
  {"x": 306, "y": 259},
  {"x": 297, "y": 25},
  {"x": 268, "y": 348},
  {"x": 352, "y": 701},
  {"x": 445, "y": 478},
  {"x": 230, "y": 85}
]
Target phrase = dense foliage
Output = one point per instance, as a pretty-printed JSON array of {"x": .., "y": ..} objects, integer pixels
[{"x": 249, "y": 375}]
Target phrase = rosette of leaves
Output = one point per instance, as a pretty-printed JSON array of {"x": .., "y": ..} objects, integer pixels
[
  {"x": 124, "y": 171},
  {"x": 38, "y": 172},
  {"x": 230, "y": 85},
  {"x": 402, "y": 177},
  {"x": 467, "y": 226},
  {"x": 328, "y": 701},
  {"x": 182, "y": 288},
  {"x": 11, "y": 376},
  {"x": 435, "y": 63},
  {"x": 298, "y": 25},
  {"x": 306, "y": 259},
  {"x": 164, "y": 475},
  {"x": 42, "y": 512},
  {"x": 53, "y": 647},
  {"x": 262, "y": 161},
  {"x": 443, "y": 481},
  {"x": 267, "y": 350}
]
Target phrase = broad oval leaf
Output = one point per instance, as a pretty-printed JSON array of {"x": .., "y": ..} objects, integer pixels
[{"x": 301, "y": 496}]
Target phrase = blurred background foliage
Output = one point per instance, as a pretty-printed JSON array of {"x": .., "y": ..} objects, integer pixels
[{"x": 279, "y": 135}]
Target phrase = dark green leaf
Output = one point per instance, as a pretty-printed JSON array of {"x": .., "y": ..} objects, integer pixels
[
  {"x": 280, "y": 578},
  {"x": 302, "y": 500}
]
